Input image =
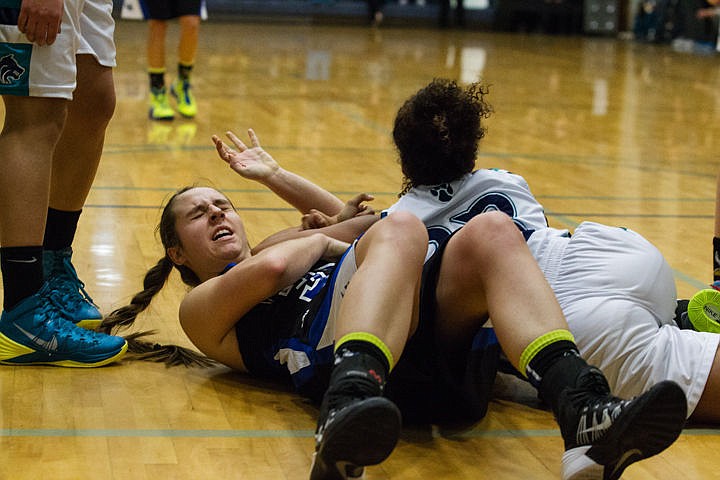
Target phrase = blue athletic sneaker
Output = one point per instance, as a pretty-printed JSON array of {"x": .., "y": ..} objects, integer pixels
[
  {"x": 68, "y": 290},
  {"x": 36, "y": 331}
]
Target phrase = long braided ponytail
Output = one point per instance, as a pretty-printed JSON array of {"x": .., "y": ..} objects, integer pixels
[{"x": 154, "y": 281}]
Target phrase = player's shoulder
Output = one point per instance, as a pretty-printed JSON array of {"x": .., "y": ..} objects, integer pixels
[{"x": 497, "y": 174}]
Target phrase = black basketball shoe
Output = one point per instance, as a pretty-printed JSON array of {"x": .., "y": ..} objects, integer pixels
[{"x": 604, "y": 434}]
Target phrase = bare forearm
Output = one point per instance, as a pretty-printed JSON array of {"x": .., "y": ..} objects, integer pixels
[
  {"x": 298, "y": 256},
  {"x": 346, "y": 231},
  {"x": 301, "y": 193},
  {"x": 254, "y": 163}
]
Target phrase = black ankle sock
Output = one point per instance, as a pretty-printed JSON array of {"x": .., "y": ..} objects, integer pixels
[
  {"x": 60, "y": 228},
  {"x": 360, "y": 360},
  {"x": 22, "y": 273},
  {"x": 157, "y": 80},
  {"x": 562, "y": 374},
  {"x": 544, "y": 374},
  {"x": 546, "y": 358},
  {"x": 184, "y": 71}
]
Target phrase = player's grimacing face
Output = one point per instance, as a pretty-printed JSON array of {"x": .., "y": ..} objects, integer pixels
[{"x": 210, "y": 231}]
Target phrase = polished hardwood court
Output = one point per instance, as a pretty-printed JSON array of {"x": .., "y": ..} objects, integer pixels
[{"x": 609, "y": 130}]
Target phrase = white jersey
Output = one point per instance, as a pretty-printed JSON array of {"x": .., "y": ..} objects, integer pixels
[
  {"x": 446, "y": 207},
  {"x": 615, "y": 288}
]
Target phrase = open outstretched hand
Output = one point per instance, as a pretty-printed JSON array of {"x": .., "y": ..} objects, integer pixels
[{"x": 253, "y": 163}]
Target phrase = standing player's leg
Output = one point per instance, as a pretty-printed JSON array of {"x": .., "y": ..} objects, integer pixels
[
  {"x": 75, "y": 164},
  {"x": 34, "y": 327},
  {"x": 702, "y": 311},
  {"x": 181, "y": 88},
  {"x": 160, "y": 108}
]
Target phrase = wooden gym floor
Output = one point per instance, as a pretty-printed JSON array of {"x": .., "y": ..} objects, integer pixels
[{"x": 607, "y": 130}]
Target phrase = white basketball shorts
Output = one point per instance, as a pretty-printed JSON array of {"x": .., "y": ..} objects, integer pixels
[
  {"x": 27, "y": 69},
  {"x": 618, "y": 295}
]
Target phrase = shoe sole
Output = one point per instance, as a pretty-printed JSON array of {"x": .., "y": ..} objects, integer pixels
[
  {"x": 166, "y": 118},
  {"x": 363, "y": 434},
  {"x": 89, "y": 324},
  {"x": 703, "y": 310},
  {"x": 69, "y": 363},
  {"x": 646, "y": 428}
]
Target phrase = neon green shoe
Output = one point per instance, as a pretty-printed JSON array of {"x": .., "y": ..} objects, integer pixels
[
  {"x": 703, "y": 310},
  {"x": 186, "y": 105},
  {"x": 160, "y": 108}
]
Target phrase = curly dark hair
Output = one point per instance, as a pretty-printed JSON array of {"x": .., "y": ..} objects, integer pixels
[{"x": 437, "y": 132}]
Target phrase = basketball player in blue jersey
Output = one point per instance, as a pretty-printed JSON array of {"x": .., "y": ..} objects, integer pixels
[
  {"x": 56, "y": 82},
  {"x": 380, "y": 337}
]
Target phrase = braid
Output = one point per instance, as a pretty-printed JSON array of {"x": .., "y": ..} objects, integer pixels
[
  {"x": 155, "y": 279},
  {"x": 139, "y": 349},
  {"x": 171, "y": 355}
]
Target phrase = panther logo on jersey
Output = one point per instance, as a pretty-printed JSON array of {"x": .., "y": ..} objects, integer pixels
[
  {"x": 10, "y": 70},
  {"x": 443, "y": 192}
]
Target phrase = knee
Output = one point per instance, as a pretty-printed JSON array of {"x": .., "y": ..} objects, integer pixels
[
  {"x": 98, "y": 115},
  {"x": 405, "y": 231},
  {"x": 190, "y": 22},
  {"x": 104, "y": 108},
  {"x": 406, "y": 225},
  {"x": 157, "y": 26},
  {"x": 486, "y": 233}
]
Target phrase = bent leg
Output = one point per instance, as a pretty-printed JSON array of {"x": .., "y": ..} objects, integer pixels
[
  {"x": 381, "y": 298},
  {"x": 357, "y": 425},
  {"x": 487, "y": 269}
]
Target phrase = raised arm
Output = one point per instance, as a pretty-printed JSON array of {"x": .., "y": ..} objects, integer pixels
[
  {"x": 346, "y": 231},
  {"x": 256, "y": 164},
  {"x": 209, "y": 312}
]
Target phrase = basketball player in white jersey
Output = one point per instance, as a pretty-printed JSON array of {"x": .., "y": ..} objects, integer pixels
[{"x": 615, "y": 288}]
